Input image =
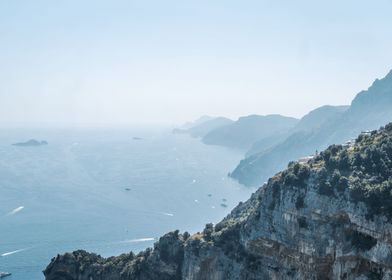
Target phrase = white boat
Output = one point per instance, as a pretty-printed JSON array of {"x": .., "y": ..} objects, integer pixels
[{"x": 4, "y": 274}]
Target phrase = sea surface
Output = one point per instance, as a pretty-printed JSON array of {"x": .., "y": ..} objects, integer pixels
[{"x": 103, "y": 190}]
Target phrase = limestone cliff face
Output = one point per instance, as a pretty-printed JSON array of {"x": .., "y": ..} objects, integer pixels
[{"x": 329, "y": 218}]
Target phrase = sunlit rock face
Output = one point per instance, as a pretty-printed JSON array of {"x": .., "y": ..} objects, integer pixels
[{"x": 327, "y": 218}]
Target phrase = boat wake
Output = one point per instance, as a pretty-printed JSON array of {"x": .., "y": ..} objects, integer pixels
[
  {"x": 13, "y": 252},
  {"x": 16, "y": 210},
  {"x": 167, "y": 214},
  {"x": 134, "y": 240}
]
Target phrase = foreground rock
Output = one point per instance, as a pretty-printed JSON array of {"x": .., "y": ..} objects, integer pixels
[{"x": 328, "y": 218}]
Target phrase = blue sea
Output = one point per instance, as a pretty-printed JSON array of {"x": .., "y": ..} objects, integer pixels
[{"x": 103, "y": 190}]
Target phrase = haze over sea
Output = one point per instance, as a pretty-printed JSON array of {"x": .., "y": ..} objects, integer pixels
[{"x": 105, "y": 191}]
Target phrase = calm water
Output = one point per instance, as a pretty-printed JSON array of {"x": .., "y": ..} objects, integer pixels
[{"x": 72, "y": 194}]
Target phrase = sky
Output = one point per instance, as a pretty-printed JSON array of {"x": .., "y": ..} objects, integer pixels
[{"x": 167, "y": 62}]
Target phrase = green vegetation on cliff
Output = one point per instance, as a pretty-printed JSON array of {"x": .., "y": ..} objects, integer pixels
[{"x": 362, "y": 170}]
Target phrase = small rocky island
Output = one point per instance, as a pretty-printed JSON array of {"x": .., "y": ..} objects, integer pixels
[
  {"x": 327, "y": 218},
  {"x": 31, "y": 143}
]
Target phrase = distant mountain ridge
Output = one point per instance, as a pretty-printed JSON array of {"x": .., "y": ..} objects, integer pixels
[
  {"x": 202, "y": 126},
  {"x": 242, "y": 133},
  {"x": 369, "y": 110},
  {"x": 313, "y": 120},
  {"x": 197, "y": 122},
  {"x": 318, "y": 117}
]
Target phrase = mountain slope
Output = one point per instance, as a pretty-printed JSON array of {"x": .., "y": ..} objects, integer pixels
[
  {"x": 197, "y": 122},
  {"x": 318, "y": 117},
  {"x": 328, "y": 218},
  {"x": 247, "y": 130},
  {"x": 369, "y": 110},
  {"x": 313, "y": 120},
  {"x": 203, "y": 126}
]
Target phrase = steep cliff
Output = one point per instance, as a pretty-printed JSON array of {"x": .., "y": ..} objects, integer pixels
[{"x": 328, "y": 218}]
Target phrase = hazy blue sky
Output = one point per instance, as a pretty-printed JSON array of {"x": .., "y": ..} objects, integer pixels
[{"x": 171, "y": 61}]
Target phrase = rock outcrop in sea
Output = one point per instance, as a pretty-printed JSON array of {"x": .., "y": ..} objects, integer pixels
[
  {"x": 31, "y": 143},
  {"x": 326, "y": 218}
]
